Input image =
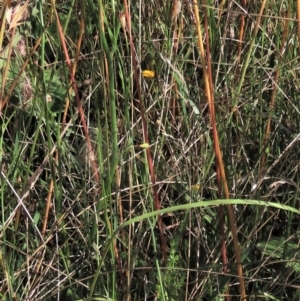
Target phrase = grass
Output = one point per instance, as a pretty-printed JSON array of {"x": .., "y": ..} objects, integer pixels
[{"x": 149, "y": 150}]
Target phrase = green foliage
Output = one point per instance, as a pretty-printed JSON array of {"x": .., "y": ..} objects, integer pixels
[
  {"x": 278, "y": 247},
  {"x": 173, "y": 276}
]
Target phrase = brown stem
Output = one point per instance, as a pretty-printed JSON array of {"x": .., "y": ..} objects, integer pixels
[
  {"x": 145, "y": 133},
  {"x": 206, "y": 64}
]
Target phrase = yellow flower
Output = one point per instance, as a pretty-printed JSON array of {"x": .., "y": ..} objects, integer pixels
[{"x": 148, "y": 73}]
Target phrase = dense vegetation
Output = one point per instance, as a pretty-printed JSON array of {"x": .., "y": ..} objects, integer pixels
[{"x": 149, "y": 150}]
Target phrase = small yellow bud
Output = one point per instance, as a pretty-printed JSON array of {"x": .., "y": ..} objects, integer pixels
[
  {"x": 195, "y": 187},
  {"x": 148, "y": 73},
  {"x": 144, "y": 145}
]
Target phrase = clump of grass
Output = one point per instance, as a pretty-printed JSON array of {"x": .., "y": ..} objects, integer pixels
[{"x": 105, "y": 120}]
